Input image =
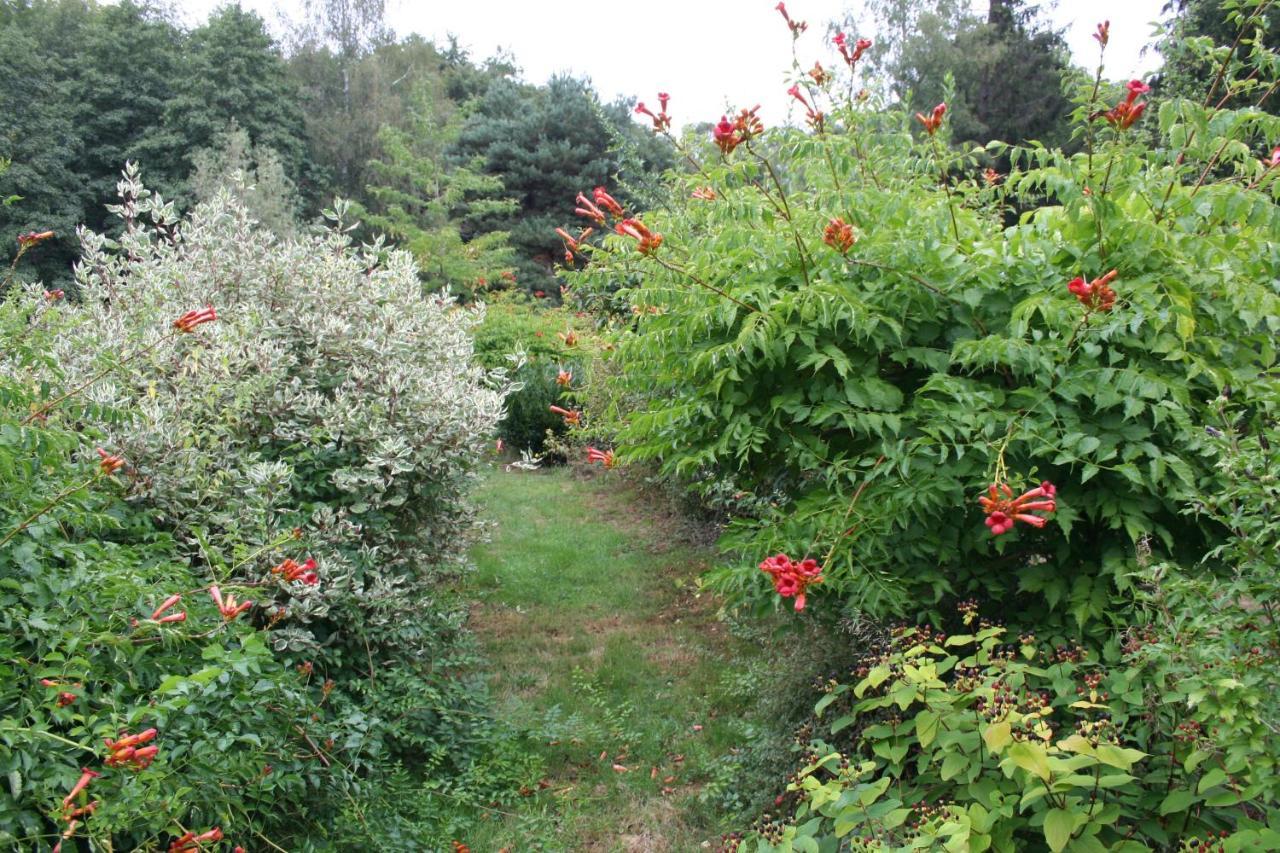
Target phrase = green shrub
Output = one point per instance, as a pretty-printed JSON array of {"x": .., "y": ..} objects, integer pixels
[
  {"x": 978, "y": 741},
  {"x": 331, "y": 410},
  {"x": 882, "y": 385},
  {"x": 534, "y": 339}
]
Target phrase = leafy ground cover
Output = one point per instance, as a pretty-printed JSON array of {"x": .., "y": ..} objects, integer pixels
[{"x": 601, "y": 645}]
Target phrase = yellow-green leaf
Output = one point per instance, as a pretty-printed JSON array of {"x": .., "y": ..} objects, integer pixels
[
  {"x": 1059, "y": 824},
  {"x": 998, "y": 736},
  {"x": 1031, "y": 757}
]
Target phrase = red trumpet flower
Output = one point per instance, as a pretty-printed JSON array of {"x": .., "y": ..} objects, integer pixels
[
  {"x": 1004, "y": 510},
  {"x": 812, "y": 114},
  {"x": 159, "y": 616},
  {"x": 647, "y": 242},
  {"x": 607, "y": 201},
  {"x": 934, "y": 120},
  {"x": 291, "y": 571},
  {"x": 605, "y": 457},
  {"x": 165, "y": 605},
  {"x": 728, "y": 135},
  {"x": 586, "y": 207},
  {"x": 86, "y": 776},
  {"x": 661, "y": 121},
  {"x": 564, "y": 378},
  {"x": 570, "y": 338},
  {"x": 708, "y": 194},
  {"x": 819, "y": 75},
  {"x": 228, "y": 607},
  {"x": 129, "y": 750},
  {"x": 796, "y": 27},
  {"x": 31, "y": 238},
  {"x": 55, "y": 295},
  {"x": 572, "y": 418},
  {"x": 191, "y": 843},
  {"x": 839, "y": 235},
  {"x": 991, "y": 176},
  {"x": 1123, "y": 115},
  {"x": 792, "y": 577},
  {"x": 109, "y": 464},
  {"x": 1095, "y": 295},
  {"x": 1274, "y": 160},
  {"x": 188, "y": 321},
  {"x": 1103, "y": 34},
  {"x": 851, "y": 57}
]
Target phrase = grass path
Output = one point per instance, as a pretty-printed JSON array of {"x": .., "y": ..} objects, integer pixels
[{"x": 600, "y": 645}]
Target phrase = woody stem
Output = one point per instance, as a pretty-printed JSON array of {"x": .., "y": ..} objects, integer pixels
[
  {"x": 946, "y": 186},
  {"x": 52, "y": 404},
  {"x": 701, "y": 283}
]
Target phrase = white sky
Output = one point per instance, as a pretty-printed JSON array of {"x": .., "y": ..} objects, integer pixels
[{"x": 706, "y": 53}]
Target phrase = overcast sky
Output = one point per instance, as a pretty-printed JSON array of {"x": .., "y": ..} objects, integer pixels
[{"x": 706, "y": 53}]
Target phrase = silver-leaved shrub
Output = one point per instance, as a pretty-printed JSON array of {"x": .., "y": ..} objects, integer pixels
[{"x": 331, "y": 395}]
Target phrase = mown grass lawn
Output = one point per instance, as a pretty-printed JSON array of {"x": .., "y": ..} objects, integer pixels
[{"x": 601, "y": 646}]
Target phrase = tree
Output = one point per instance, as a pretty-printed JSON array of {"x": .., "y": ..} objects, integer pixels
[
  {"x": 547, "y": 144},
  {"x": 253, "y": 174},
  {"x": 1008, "y": 70},
  {"x": 423, "y": 202},
  {"x": 236, "y": 73},
  {"x": 1192, "y": 31}
]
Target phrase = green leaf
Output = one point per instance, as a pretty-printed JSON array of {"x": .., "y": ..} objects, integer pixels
[
  {"x": 1031, "y": 757},
  {"x": 1216, "y": 776},
  {"x": 926, "y": 727},
  {"x": 1119, "y": 757},
  {"x": 953, "y": 764},
  {"x": 1059, "y": 824},
  {"x": 1177, "y": 801},
  {"x": 998, "y": 736}
]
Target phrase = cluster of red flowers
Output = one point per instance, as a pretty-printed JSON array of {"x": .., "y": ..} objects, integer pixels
[
  {"x": 708, "y": 194},
  {"x": 1004, "y": 510},
  {"x": 73, "y": 815},
  {"x": 1124, "y": 114},
  {"x": 65, "y": 697},
  {"x": 191, "y": 843},
  {"x": 31, "y": 238},
  {"x": 791, "y": 577},
  {"x": 728, "y": 135},
  {"x": 571, "y": 243},
  {"x": 1096, "y": 295},
  {"x": 796, "y": 27},
  {"x": 605, "y": 457},
  {"x": 812, "y": 114},
  {"x": 932, "y": 121},
  {"x": 55, "y": 295},
  {"x": 661, "y": 121},
  {"x": 158, "y": 615},
  {"x": 991, "y": 176},
  {"x": 572, "y": 418},
  {"x": 819, "y": 74},
  {"x": 850, "y": 57},
  {"x": 647, "y": 242},
  {"x": 839, "y": 235},
  {"x": 109, "y": 464},
  {"x": 130, "y": 752},
  {"x": 1103, "y": 33},
  {"x": 188, "y": 321},
  {"x": 228, "y": 606},
  {"x": 291, "y": 571}
]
